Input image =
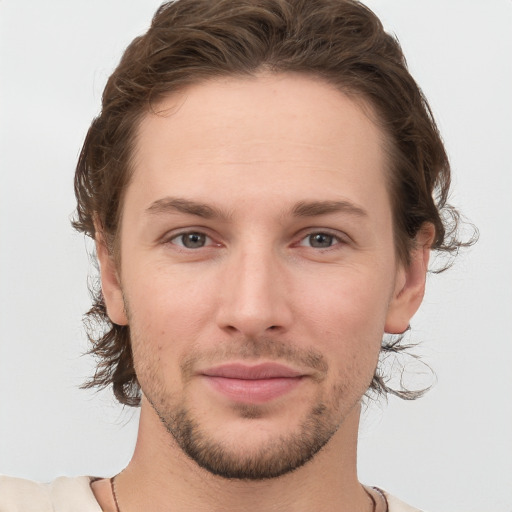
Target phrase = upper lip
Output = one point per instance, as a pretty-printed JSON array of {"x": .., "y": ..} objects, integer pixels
[{"x": 252, "y": 372}]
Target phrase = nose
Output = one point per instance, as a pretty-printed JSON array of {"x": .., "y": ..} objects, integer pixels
[{"x": 254, "y": 296}]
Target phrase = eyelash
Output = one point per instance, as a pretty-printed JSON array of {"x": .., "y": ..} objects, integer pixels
[
  {"x": 178, "y": 236},
  {"x": 335, "y": 239}
]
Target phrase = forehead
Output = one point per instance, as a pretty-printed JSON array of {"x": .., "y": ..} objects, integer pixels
[{"x": 255, "y": 138}]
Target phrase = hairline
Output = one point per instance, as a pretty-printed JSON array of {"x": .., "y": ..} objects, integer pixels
[{"x": 365, "y": 104}]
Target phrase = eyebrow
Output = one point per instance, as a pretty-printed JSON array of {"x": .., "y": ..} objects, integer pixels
[
  {"x": 316, "y": 208},
  {"x": 180, "y": 205},
  {"x": 302, "y": 209}
]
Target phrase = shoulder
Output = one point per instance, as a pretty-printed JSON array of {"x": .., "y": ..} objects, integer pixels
[
  {"x": 396, "y": 505},
  {"x": 20, "y": 495}
]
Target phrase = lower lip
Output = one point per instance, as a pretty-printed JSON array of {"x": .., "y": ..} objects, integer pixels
[{"x": 253, "y": 391}]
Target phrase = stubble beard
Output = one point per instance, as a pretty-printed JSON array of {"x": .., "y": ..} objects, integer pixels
[
  {"x": 231, "y": 459},
  {"x": 276, "y": 456}
]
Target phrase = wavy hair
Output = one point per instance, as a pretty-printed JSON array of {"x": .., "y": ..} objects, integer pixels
[{"x": 189, "y": 41}]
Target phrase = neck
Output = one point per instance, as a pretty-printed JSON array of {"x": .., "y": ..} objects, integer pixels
[{"x": 160, "y": 474}]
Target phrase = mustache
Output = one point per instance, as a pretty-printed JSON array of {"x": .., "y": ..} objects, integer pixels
[{"x": 251, "y": 349}]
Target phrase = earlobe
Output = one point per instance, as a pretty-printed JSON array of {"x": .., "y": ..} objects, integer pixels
[
  {"x": 110, "y": 284},
  {"x": 410, "y": 283}
]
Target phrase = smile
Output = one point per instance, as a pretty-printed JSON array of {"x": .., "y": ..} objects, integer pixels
[{"x": 252, "y": 384}]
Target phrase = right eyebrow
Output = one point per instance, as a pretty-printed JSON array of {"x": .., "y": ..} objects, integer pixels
[
  {"x": 317, "y": 208},
  {"x": 180, "y": 205}
]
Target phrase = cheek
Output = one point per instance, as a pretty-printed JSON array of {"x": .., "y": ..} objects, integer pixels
[
  {"x": 171, "y": 311},
  {"x": 348, "y": 316},
  {"x": 166, "y": 291},
  {"x": 348, "y": 299}
]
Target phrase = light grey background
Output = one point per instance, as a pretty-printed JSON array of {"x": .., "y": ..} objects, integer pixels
[{"x": 450, "y": 451}]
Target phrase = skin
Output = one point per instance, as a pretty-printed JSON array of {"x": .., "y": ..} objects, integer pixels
[{"x": 274, "y": 281}]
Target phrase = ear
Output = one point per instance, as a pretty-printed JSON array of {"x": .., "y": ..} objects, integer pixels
[
  {"x": 110, "y": 283},
  {"x": 410, "y": 283}
]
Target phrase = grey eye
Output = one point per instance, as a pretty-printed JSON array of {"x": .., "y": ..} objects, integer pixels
[
  {"x": 191, "y": 240},
  {"x": 321, "y": 240}
]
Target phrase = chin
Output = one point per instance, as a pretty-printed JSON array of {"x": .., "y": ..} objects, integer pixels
[{"x": 254, "y": 446}]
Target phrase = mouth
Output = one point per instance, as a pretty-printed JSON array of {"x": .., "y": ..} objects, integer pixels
[{"x": 252, "y": 384}]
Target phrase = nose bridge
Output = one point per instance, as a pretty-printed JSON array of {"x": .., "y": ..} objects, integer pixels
[{"x": 253, "y": 296}]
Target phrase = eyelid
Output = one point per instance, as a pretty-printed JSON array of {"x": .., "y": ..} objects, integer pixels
[
  {"x": 342, "y": 238},
  {"x": 168, "y": 238},
  {"x": 171, "y": 236}
]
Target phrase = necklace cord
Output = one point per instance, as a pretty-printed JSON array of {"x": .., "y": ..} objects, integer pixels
[
  {"x": 374, "y": 503},
  {"x": 383, "y": 496},
  {"x": 114, "y": 495}
]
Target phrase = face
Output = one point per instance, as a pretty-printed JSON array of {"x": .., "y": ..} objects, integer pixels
[{"x": 257, "y": 268}]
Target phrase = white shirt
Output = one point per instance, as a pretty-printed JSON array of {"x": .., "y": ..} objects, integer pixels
[{"x": 66, "y": 494}]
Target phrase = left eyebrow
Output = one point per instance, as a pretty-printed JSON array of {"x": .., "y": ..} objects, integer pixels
[
  {"x": 168, "y": 205},
  {"x": 180, "y": 205},
  {"x": 316, "y": 208}
]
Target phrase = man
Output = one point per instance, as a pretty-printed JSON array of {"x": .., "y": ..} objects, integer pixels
[{"x": 260, "y": 186}]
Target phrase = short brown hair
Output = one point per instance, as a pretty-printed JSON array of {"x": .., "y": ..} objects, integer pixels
[{"x": 189, "y": 41}]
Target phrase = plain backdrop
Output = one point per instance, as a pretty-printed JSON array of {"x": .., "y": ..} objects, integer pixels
[{"x": 451, "y": 450}]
